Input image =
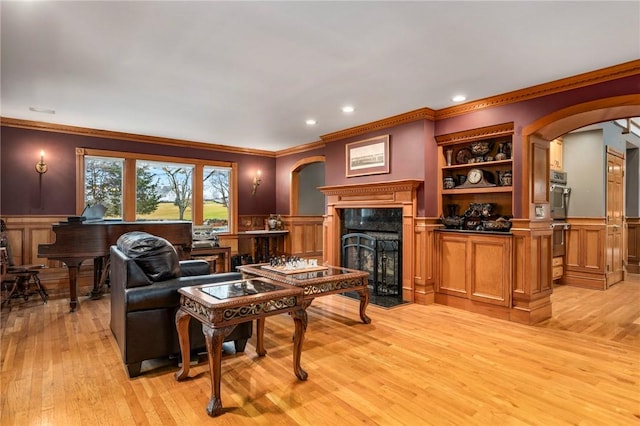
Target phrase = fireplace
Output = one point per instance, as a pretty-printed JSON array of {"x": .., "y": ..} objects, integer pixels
[
  {"x": 399, "y": 196},
  {"x": 379, "y": 255},
  {"x": 372, "y": 242}
]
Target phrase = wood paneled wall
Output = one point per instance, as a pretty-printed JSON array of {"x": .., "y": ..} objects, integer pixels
[
  {"x": 25, "y": 233},
  {"x": 424, "y": 260},
  {"x": 633, "y": 245},
  {"x": 585, "y": 256},
  {"x": 305, "y": 236}
]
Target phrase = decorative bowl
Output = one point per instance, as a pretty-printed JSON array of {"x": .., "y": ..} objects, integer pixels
[
  {"x": 500, "y": 224},
  {"x": 480, "y": 147},
  {"x": 452, "y": 222}
]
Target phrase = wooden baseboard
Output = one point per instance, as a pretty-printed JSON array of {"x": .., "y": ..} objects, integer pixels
[
  {"x": 591, "y": 281},
  {"x": 424, "y": 298},
  {"x": 633, "y": 269},
  {"x": 493, "y": 311}
]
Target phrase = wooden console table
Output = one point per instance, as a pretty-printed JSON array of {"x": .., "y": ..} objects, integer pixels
[
  {"x": 210, "y": 253},
  {"x": 330, "y": 280},
  {"x": 264, "y": 244},
  {"x": 222, "y": 306}
]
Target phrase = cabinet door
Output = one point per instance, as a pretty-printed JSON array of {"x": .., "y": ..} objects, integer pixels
[
  {"x": 452, "y": 265},
  {"x": 490, "y": 274}
]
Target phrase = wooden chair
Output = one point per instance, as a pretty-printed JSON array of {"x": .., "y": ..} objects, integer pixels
[{"x": 18, "y": 281}]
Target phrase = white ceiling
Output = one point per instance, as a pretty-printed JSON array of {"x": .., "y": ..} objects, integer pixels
[{"x": 249, "y": 74}]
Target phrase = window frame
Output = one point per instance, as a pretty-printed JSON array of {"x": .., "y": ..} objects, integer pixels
[{"x": 129, "y": 182}]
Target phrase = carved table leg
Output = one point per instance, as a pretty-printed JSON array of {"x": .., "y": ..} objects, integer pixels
[
  {"x": 364, "y": 302},
  {"x": 260, "y": 337},
  {"x": 305, "y": 305},
  {"x": 300, "y": 321},
  {"x": 214, "y": 338},
  {"x": 182, "y": 325}
]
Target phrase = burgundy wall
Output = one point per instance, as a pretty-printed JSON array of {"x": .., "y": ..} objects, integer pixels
[
  {"x": 527, "y": 112},
  {"x": 413, "y": 147},
  {"x": 406, "y": 145},
  {"x": 23, "y": 192}
]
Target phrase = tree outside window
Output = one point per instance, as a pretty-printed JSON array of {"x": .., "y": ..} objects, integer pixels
[
  {"x": 103, "y": 184},
  {"x": 162, "y": 190},
  {"x": 173, "y": 185},
  {"x": 216, "y": 197}
]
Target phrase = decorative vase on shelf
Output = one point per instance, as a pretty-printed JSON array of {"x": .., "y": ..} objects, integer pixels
[
  {"x": 272, "y": 223},
  {"x": 501, "y": 155},
  {"x": 448, "y": 183},
  {"x": 506, "y": 178}
]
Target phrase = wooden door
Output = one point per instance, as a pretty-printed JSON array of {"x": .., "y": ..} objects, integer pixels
[{"x": 615, "y": 247}]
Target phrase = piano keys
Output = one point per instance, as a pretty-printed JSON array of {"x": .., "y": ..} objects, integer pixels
[{"x": 78, "y": 241}]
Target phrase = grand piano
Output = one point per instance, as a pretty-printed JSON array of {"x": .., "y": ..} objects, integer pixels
[{"x": 78, "y": 241}]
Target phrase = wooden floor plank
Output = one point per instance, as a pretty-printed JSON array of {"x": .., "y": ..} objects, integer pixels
[{"x": 412, "y": 365}]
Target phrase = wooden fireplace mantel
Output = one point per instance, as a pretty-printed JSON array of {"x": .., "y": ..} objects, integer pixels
[
  {"x": 385, "y": 191},
  {"x": 391, "y": 194}
]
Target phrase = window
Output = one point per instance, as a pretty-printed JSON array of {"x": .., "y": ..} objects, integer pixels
[
  {"x": 151, "y": 187},
  {"x": 103, "y": 184},
  {"x": 163, "y": 191},
  {"x": 216, "y": 197}
]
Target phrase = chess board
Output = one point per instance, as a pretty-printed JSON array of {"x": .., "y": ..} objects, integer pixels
[{"x": 282, "y": 270}]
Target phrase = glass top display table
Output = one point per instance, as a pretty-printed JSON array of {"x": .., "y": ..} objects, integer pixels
[
  {"x": 222, "y": 306},
  {"x": 317, "y": 281}
]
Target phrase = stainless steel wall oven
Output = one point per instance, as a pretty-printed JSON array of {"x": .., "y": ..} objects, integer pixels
[
  {"x": 559, "y": 195},
  {"x": 559, "y": 205}
]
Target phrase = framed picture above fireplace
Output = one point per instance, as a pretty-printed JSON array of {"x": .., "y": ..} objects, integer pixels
[{"x": 367, "y": 157}]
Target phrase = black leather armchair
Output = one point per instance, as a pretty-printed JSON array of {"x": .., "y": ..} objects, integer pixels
[{"x": 145, "y": 275}]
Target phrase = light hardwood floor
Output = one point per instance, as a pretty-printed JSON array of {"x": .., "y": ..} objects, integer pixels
[{"x": 412, "y": 365}]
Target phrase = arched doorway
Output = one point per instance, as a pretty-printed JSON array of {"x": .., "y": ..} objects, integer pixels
[
  {"x": 595, "y": 248},
  {"x": 306, "y": 176}
]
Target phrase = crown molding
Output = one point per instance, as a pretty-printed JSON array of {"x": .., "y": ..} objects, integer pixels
[
  {"x": 300, "y": 149},
  {"x": 582, "y": 80},
  {"x": 407, "y": 117},
  {"x": 575, "y": 82},
  {"x": 475, "y": 134},
  {"x": 97, "y": 133}
]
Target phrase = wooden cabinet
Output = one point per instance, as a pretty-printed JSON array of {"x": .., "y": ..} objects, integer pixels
[
  {"x": 219, "y": 258},
  {"x": 557, "y": 265},
  {"x": 555, "y": 154},
  {"x": 460, "y": 159},
  {"x": 475, "y": 266}
]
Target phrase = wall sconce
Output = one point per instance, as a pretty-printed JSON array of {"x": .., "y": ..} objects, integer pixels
[
  {"x": 41, "y": 166},
  {"x": 257, "y": 180}
]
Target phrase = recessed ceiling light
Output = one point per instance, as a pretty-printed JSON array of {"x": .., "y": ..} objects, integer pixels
[
  {"x": 311, "y": 122},
  {"x": 348, "y": 108},
  {"x": 459, "y": 98},
  {"x": 42, "y": 110}
]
